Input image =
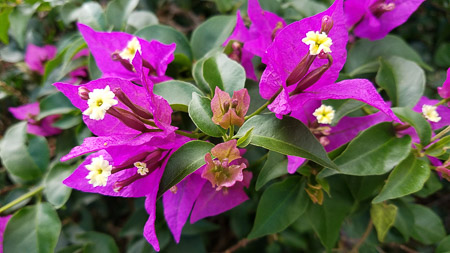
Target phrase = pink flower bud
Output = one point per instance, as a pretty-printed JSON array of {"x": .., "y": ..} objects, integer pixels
[
  {"x": 229, "y": 111},
  {"x": 83, "y": 92},
  {"x": 327, "y": 24}
]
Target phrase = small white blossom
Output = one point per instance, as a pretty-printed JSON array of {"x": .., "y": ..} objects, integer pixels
[
  {"x": 100, "y": 100},
  {"x": 324, "y": 114},
  {"x": 318, "y": 42},
  {"x": 430, "y": 113},
  {"x": 99, "y": 171},
  {"x": 142, "y": 168}
]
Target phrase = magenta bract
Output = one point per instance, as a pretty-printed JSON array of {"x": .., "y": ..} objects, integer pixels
[
  {"x": 444, "y": 91},
  {"x": 29, "y": 112},
  {"x": 35, "y": 56}
]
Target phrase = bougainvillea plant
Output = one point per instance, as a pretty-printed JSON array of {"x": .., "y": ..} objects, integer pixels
[{"x": 276, "y": 127}]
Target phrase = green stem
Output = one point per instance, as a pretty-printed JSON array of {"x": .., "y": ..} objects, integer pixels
[
  {"x": 440, "y": 134},
  {"x": 443, "y": 101},
  {"x": 190, "y": 135},
  {"x": 264, "y": 106},
  {"x": 231, "y": 132},
  {"x": 21, "y": 198}
]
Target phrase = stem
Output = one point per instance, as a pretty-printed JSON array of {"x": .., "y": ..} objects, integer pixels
[
  {"x": 231, "y": 132},
  {"x": 190, "y": 135},
  {"x": 21, "y": 198},
  {"x": 443, "y": 101},
  {"x": 363, "y": 238},
  {"x": 264, "y": 106},
  {"x": 440, "y": 134},
  {"x": 238, "y": 245}
]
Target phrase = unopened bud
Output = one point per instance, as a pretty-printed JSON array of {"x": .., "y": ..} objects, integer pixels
[
  {"x": 115, "y": 56},
  {"x": 134, "y": 107},
  {"x": 276, "y": 29},
  {"x": 234, "y": 103},
  {"x": 327, "y": 24},
  {"x": 83, "y": 92},
  {"x": 127, "y": 118},
  {"x": 312, "y": 77},
  {"x": 324, "y": 141},
  {"x": 381, "y": 7},
  {"x": 301, "y": 69}
]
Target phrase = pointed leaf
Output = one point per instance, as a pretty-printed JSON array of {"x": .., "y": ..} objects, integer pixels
[
  {"x": 183, "y": 162},
  {"x": 275, "y": 166},
  {"x": 403, "y": 80},
  {"x": 32, "y": 229},
  {"x": 428, "y": 227},
  {"x": 177, "y": 93},
  {"x": 420, "y": 124},
  {"x": 221, "y": 71},
  {"x": 288, "y": 136},
  {"x": 408, "y": 177},
  {"x": 117, "y": 12},
  {"x": 439, "y": 148},
  {"x": 55, "y": 191},
  {"x": 383, "y": 217},
  {"x": 280, "y": 205},
  {"x": 201, "y": 114}
]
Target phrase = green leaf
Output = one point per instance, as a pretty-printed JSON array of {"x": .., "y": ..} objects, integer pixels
[
  {"x": 375, "y": 151},
  {"x": 4, "y": 25},
  {"x": 201, "y": 114},
  {"x": 197, "y": 73},
  {"x": 167, "y": 35},
  {"x": 221, "y": 71},
  {"x": 343, "y": 107},
  {"x": 404, "y": 220},
  {"x": 383, "y": 217},
  {"x": 118, "y": 11},
  {"x": 246, "y": 139},
  {"x": 91, "y": 14},
  {"x": 15, "y": 156},
  {"x": 363, "y": 188},
  {"x": 364, "y": 54},
  {"x": 211, "y": 34},
  {"x": 288, "y": 136},
  {"x": 55, "y": 191},
  {"x": 432, "y": 185},
  {"x": 428, "y": 227},
  {"x": 19, "y": 18},
  {"x": 56, "y": 103},
  {"x": 420, "y": 124},
  {"x": 326, "y": 219},
  {"x": 52, "y": 65},
  {"x": 408, "y": 177},
  {"x": 439, "y": 148},
  {"x": 275, "y": 166},
  {"x": 140, "y": 19},
  {"x": 280, "y": 205},
  {"x": 68, "y": 121},
  {"x": 177, "y": 93},
  {"x": 444, "y": 245},
  {"x": 32, "y": 229},
  {"x": 39, "y": 151},
  {"x": 442, "y": 55},
  {"x": 403, "y": 80},
  {"x": 183, "y": 162},
  {"x": 94, "y": 71},
  {"x": 98, "y": 242}
]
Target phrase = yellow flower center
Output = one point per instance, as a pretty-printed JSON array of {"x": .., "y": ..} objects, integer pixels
[
  {"x": 142, "y": 168},
  {"x": 324, "y": 114},
  {"x": 129, "y": 52},
  {"x": 318, "y": 42}
]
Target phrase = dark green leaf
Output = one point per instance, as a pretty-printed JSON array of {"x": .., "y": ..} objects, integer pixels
[
  {"x": 432, "y": 185},
  {"x": 326, "y": 219},
  {"x": 439, "y": 148},
  {"x": 32, "y": 229},
  {"x": 201, "y": 114},
  {"x": 280, "y": 205},
  {"x": 39, "y": 151},
  {"x": 183, "y": 162},
  {"x": 408, "y": 177},
  {"x": 444, "y": 245},
  {"x": 55, "y": 191},
  {"x": 221, "y": 71},
  {"x": 117, "y": 12},
  {"x": 51, "y": 65},
  {"x": 94, "y": 71},
  {"x": 177, "y": 93},
  {"x": 4, "y": 25},
  {"x": 56, "y": 103},
  {"x": 363, "y": 56},
  {"x": 373, "y": 152},
  {"x": 287, "y": 136},
  {"x": 98, "y": 242},
  {"x": 420, "y": 124},
  {"x": 167, "y": 35},
  {"x": 383, "y": 217},
  {"x": 68, "y": 121},
  {"x": 428, "y": 227},
  {"x": 363, "y": 188},
  {"x": 15, "y": 156},
  {"x": 197, "y": 73},
  {"x": 211, "y": 34},
  {"x": 403, "y": 80},
  {"x": 404, "y": 220},
  {"x": 275, "y": 166},
  {"x": 442, "y": 55}
]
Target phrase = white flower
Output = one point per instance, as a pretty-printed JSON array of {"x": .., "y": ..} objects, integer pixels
[
  {"x": 430, "y": 113},
  {"x": 129, "y": 52},
  {"x": 100, "y": 100},
  {"x": 324, "y": 114},
  {"x": 142, "y": 168},
  {"x": 317, "y": 42},
  {"x": 99, "y": 171}
]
